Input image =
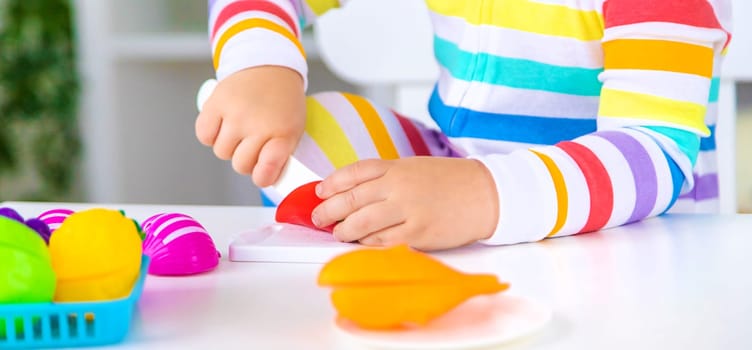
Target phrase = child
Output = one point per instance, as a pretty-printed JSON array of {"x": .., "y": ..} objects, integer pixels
[{"x": 557, "y": 117}]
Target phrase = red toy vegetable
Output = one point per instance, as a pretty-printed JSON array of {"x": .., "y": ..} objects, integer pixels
[{"x": 297, "y": 207}]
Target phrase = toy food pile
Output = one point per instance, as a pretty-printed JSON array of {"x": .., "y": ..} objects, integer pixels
[
  {"x": 93, "y": 255},
  {"x": 398, "y": 287}
]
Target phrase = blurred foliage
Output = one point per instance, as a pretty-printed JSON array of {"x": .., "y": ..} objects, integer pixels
[{"x": 39, "y": 86}]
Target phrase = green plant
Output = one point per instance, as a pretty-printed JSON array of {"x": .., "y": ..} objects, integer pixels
[{"x": 38, "y": 94}]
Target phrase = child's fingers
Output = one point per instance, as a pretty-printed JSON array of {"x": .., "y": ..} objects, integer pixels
[
  {"x": 226, "y": 142},
  {"x": 245, "y": 156},
  {"x": 207, "y": 127},
  {"x": 350, "y": 176},
  {"x": 387, "y": 237},
  {"x": 346, "y": 206},
  {"x": 271, "y": 160},
  {"x": 371, "y": 220}
]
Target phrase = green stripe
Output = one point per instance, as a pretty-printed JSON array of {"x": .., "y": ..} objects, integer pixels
[{"x": 688, "y": 142}]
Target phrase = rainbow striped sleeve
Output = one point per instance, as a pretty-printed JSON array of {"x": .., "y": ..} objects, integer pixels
[
  {"x": 660, "y": 62},
  {"x": 250, "y": 33}
]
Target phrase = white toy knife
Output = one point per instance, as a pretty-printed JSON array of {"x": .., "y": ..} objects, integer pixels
[{"x": 294, "y": 175}]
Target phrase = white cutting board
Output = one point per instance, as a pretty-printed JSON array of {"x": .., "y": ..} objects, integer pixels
[{"x": 287, "y": 243}]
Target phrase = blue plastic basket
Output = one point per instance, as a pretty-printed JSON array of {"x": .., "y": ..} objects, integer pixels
[{"x": 49, "y": 325}]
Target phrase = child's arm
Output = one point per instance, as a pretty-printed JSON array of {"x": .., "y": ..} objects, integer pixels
[
  {"x": 660, "y": 58},
  {"x": 256, "y": 115},
  {"x": 253, "y": 33}
]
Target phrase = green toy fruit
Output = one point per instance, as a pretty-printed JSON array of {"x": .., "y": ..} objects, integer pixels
[{"x": 26, "y": 274}]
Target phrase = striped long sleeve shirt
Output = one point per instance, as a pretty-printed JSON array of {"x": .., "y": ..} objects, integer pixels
[{"x": 588, "y": 113}]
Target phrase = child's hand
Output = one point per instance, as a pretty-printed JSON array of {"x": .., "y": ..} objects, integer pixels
[
  {"x": 427, "y": 202},
  {"x": 256, "y": 118}
]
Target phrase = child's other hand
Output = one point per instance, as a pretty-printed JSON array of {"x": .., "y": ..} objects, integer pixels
[
  {"x": 427, "y": 202},
  {"x": 256, "y": 118}
]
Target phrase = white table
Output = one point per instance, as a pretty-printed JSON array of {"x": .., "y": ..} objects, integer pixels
[{"x": 674, "y": 282}]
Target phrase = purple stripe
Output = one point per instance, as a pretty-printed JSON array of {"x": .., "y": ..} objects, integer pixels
[
  {"x": 643, "y": 170},
  {"x": 706, "y": 187}
]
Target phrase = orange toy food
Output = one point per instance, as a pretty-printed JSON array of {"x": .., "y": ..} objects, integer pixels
[{"x": 398, "y": 287}]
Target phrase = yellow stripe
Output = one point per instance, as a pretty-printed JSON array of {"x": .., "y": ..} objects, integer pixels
[
  {"x": 525, "y": 15},
  {"x": 249, "y": 24},
  {"x": 376, "y": 128},
  {"x": 562, "y": 197},
  {"x": 320, "y": 6},
  {"x": 662, "y": 55},
  {"x": 624, "y": 104},
  {"x": 328, "y": 135}
]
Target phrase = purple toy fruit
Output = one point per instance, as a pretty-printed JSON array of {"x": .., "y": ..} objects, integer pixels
[
  {"x": 10, "y": 213},
  {"x": 37, "y": 225},
  {"x": 41, "y": 228},
  {"x": 178, "y": 245}
]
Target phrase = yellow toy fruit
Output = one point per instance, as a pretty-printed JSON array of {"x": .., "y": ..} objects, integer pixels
[
  {"x": 398, "y": 287},
  {"x": 96, "y": 255}
]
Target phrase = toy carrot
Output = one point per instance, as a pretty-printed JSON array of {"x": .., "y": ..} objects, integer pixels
[{"x": 399, "y": 287}]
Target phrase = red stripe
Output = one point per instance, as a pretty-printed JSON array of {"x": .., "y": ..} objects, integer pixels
[
  {"x": 413, "y": 135},
  {"x": 697, "y": 13},
  {"x": 243, "y": 6},
  {"x": 598, "y": 182}
]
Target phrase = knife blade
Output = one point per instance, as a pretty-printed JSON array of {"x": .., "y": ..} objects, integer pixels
[{"x": 294, "y": 174}]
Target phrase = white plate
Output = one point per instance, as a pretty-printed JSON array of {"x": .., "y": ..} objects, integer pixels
[{"x": 479, "y": 322}]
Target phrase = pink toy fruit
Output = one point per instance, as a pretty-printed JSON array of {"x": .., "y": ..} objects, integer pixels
[
  {"x": 178, "y": 245},
  {"x": 54, "y": 218}
]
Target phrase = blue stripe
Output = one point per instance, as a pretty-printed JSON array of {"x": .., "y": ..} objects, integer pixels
[
  {"x": 462, "y": 122},
  {"x": 516, "y": 73},
  {"x": 677, "y": 178},
  {"x": 708, "y": 143}
]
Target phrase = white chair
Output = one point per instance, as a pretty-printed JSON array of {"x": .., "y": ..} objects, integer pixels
[
  {"x": 385, "y": 46},
  {"x": 737, "y": 68}
]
